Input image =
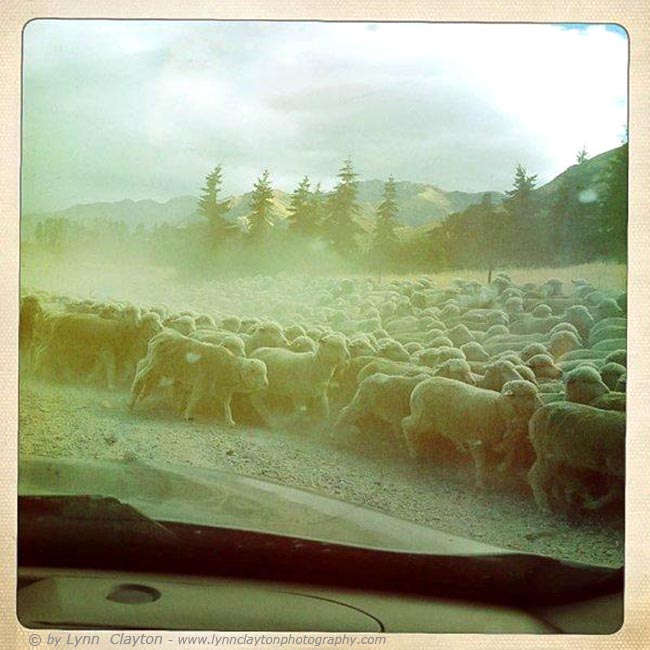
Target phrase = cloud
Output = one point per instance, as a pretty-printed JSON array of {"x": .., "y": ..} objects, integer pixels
[{"x": 137, "y": 109}]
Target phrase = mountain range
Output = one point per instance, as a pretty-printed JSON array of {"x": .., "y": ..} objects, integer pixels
[{"x": 421, "y": 205}]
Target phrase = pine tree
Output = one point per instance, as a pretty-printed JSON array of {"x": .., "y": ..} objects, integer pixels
[
  {"x": 317, "y": 207},
  {"x": 519, "y": 196},
  {"x": 340, "y": 227},
  {"x": 520, "y": 206},
  {"x": 260, "y": 219},
  {"x": 385, "y": 242},
  {"x": 213, "y": 209},
  {"x": 300, "y": 213},
  {"x": 582, "y": 156}
]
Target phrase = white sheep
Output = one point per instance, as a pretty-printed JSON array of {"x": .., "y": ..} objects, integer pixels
[
  {"x": 472, "y": 418},
  {"x": 571, "y": 443},
  {"x": 205, "y": 369},
  {"x": 301, "y": 376},
  {"x": 386, "y": 397}
]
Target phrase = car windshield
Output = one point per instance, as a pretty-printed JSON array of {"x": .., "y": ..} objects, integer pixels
[{"x": 238, "y": 261}]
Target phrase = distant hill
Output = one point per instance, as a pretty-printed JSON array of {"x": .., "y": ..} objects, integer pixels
[
  {"x": 419, "y": 203},
  {"x": 585, "y": 179}
]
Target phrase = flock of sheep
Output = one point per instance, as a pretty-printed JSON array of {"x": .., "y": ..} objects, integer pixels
[{"x": 528, "y": 380}]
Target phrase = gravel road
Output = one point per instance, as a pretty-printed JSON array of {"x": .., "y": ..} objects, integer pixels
[{"x": 73, "y": 421}]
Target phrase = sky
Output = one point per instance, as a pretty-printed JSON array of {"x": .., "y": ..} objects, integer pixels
[{"x": 145, "y": 109}]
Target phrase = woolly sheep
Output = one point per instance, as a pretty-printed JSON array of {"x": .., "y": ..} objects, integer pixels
[
  {"x": 584, "y": 385},
  {"x": 265, "y": 335},
  {"x": 207, "y": 370},
  {"x": 386, "y": 397},
  {"x": 391, "y": 349},
  {"x": 470, "y": 417},
  {"x": 610, "y": 373},
  {"x": 456, "y": 369},
  {"x": 227, "y": 339},
  {"x": 474, "y": 351},
  {"x": 544, "y": 367},
  {"x": 95, "y": 346},
  {"x": 498, "y": 374},
  {"x": 531, "y": 350},
  {"x": 301, "y": 376},
  {"x": 563, "y": 342},
  {"x": 571, "y": 443}
]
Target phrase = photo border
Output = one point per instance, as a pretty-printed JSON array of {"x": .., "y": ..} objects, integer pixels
[{"x": 629, "y": 14}]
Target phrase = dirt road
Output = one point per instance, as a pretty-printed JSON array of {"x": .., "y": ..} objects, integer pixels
[{"x": 74, "y": 421}]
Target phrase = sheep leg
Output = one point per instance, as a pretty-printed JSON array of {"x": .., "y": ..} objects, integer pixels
[
  {"x": 227, "y": 411},
  {"x": 322, "y": 405},
  {"x": 108, "y": 359},
  {"x": 257, "y": 400},
  {"x": 199, "y": 390},
  {"x": 143, "y": 385},
  {"x": 537, "y": 477},
  {"x": 478, "y": 455},
  {"x": 411, "y": 436}
]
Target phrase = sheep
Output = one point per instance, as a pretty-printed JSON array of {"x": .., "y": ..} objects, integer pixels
[
  {"x": 563, "y": 342},
  {"x": 300, "y": 376},
  {"x": 302, "y": 344},
  {"x": 607, "y": 308},
  {"x": 585, "y": 386},
  {"x": 440, "y": 342},
  {"x": 460, "y": 335},
  {"x": 31, "y": 313},
  {"x": 496, "y": 330},
  {"x": 182, "y": 324},
  {"x": 544, "y": 367},
  {"x": 88, "y": 344},
  {"x": 530, "y": 324},
  {"x": 574, "y": 444},
  {"x": 393, "y": 350},
  {"x": 606, "y": 333},
  {"x": 526, "y": 373},
  {"x": 618, "y": 356},
  {"x": 497, "y": 374},
  {"x": 293, "y": 331},
  {"x": 230, "y": 323},
  {"x": 474, "y": 351},
  {"x": 542, "y": 311},
  {"x": 265, "y": 335},
  {"x": 413, "y": 347},
  {"x": 205, "y": 321},
  {"x": 610, "y": 373},
  {"x": 471, "y": 417},
  {"x": 227, "y": 339},
  {"x": 388, "y": 367},
  {"x": 580, "y": 318},
  {"x": 360, "y": 346},
  {"x": 386, "y": 397},
  {"x": 456, "y": 369},
  {"x": 610, "y": 345},
  {"x": 208, "y": 370},
  {"x": 531, "y": 350}
]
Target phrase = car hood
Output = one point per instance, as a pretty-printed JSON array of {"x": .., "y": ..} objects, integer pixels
[{"x": 211, "y": 497}]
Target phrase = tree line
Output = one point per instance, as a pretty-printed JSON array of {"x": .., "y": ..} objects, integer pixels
[{"x": 322, "y": 231}]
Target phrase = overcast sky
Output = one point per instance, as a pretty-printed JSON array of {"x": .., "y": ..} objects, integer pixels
[{"x": 145, "y": 109}]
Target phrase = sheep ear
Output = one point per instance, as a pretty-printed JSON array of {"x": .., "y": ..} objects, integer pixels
[{"x": 509, "y": 393}]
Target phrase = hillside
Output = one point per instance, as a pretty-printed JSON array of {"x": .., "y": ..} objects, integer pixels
[
  {"x": 419, "y": 203},
  {"x": 577, "y": 179}
]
